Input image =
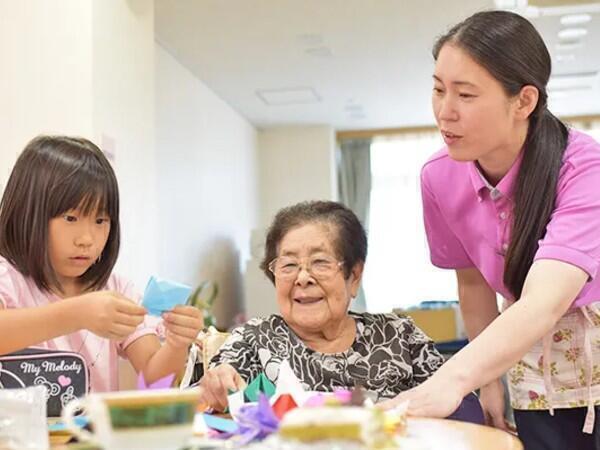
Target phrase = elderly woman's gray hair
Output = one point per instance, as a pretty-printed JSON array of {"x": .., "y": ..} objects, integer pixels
[{"x": 350, "y": 241}]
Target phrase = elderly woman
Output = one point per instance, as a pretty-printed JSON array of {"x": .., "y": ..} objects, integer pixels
[{"x": 315, "y": 254}]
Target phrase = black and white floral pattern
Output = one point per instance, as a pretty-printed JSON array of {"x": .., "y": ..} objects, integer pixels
[{"x": 389, "y": 355}]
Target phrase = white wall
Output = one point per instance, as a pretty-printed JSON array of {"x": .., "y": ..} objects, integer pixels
[
  {"x": 87, "y": 68},
  {"x": 45, "y": 74},
  {"x": 296, "y": 164},
  {"x": 123, "y": 118},
  {"x": 188, "y": 165},
  {"x": 208, "y": 188}
]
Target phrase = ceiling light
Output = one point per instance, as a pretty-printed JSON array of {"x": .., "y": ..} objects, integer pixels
[
  {"x": 311, "y": 39},
  {"x": 288, "y": 96},
  {"x": 568, "y": 46},
  {"x": 572, "y": 34},
  {"x": 569, "y": 20},
  {"x": 357, "y": 116},
  {"x": 510, "y": 4},
  {"x": 561, "y": 57},
  {"x": 353, "y": 107},
  {"x": 573, "y": 87},
  {"x": 555, "y": 95},
  {"x": 320, "y": 52},
  {"x": 573, "y": 81}
]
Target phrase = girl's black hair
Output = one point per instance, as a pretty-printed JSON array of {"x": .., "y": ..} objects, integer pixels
[{"x": 55, "y": 174}]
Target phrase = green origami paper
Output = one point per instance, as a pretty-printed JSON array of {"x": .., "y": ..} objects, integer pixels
[{"x": 260, "y": 384}]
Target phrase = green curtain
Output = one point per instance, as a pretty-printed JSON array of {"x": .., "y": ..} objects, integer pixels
[{"x": 354, "y": 187}]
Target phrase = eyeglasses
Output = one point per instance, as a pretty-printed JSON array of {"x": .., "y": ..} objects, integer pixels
[{"x": 319, "y": 267}]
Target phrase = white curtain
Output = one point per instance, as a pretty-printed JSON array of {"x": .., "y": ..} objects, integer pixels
[{"x": 399, "y": 273}]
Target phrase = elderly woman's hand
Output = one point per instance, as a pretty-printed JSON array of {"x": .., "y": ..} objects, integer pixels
[{"x": 217, "y": 382}]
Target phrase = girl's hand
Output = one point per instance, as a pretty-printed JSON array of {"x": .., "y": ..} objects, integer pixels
[
  {"x": 217, "y": 383},
  {"x": 109, "y": 314},
  {"x": 183, "y": 323},
  {"x": 436, "y": 397}
]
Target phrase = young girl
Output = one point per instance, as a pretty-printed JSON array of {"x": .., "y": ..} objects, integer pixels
[
  {"x": 512, "y": 204},
  {"x": 59, "y": 241}
]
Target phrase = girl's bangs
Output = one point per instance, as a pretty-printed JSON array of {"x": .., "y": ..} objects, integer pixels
[{"x": 86, "y": 192}]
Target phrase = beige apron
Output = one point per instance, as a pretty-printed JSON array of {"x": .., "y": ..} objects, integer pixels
[{"x": 559, "y": 371}]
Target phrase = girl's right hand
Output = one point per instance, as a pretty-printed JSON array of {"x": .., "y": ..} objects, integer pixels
[
  {"x": 217, "y": 382},
  {"x": 110, "y": 315}
]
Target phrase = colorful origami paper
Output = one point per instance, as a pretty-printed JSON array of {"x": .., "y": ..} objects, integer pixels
[
  {"x": 220, "y": 424},
  {"x": 261, "y": 384},
  {"x": 255, "y": 421},
  {"x": 163, "y": 295},
  {"x": 284, "y": 403},
  {"x": 163, "y": 383},
  {"x": 288, "y": 383},
  {"x": 235, "y": 401}
]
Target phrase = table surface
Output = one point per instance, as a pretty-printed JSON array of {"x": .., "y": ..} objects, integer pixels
[
  {"x": 450, "y": 434},
  {"x": 429, "y": 434}
]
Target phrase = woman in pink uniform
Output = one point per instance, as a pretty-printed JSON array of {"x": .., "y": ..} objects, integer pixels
[{"x": 512, "y": 204}]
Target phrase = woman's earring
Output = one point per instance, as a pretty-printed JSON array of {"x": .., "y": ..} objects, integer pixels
[{"x": 99, "y": 258}]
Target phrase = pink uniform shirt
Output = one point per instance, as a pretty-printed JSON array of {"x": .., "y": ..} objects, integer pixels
[
  {"x": 101, "y": 355},
  {"x": 467, "y": 221}
]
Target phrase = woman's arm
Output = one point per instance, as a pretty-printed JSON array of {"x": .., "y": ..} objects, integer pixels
[
  {"x": 479, "y": 308},
  {"x": 478, "y": 304},
  {"x": 549, "y": 290}
]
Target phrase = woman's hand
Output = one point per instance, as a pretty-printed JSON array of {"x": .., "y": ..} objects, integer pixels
[
  {"x": 183, "y": 323},
  {"x": 109, "y": 314},
  {"x": 491, "y": 397},
  {"x": 217, "y": 382},
  {"x": 436, "y": 397}
]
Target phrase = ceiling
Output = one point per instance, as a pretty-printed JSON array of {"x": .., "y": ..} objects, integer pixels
[{"x": 353, "y": 64}]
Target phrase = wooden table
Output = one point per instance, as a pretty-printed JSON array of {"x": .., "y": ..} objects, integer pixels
[
  {"x": 453, "y": 435},
  {"x": 430, "y": 434}
]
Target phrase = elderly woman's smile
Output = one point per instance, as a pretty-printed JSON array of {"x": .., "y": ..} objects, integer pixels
[
  {"x": 307, "y": 300},
  {"x": 312, "y": 292}
]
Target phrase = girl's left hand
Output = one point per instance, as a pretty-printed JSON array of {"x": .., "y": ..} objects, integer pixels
[
  {"x": 182, "y": 323},
  {"x": 436, "y": 397}
]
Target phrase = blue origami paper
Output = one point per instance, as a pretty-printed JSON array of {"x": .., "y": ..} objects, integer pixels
[
  {"x": 80, "y": 421},
  {"x": 163, "y": 295},
  {"x": 220, "y": 424}
]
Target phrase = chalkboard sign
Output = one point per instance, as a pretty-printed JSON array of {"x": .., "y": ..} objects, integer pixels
[{"x": 64, "y": 374}]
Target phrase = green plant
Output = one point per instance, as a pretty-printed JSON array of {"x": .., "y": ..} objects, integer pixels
[{"x": 203, "y": 298}]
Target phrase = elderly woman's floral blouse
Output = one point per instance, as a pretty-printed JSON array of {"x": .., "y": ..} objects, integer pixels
[{"x": 389, "y": 355}]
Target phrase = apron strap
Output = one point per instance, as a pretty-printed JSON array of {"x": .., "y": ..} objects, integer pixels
[
  {"x": 587, "y": 323},
  {"x": 546, "y": 347}
]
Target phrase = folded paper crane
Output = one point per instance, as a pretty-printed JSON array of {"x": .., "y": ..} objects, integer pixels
[
  {"x": 261, "y": 384},
  {"x": 163, "y": 295}
]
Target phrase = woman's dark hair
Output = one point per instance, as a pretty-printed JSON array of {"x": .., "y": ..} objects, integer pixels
[
  {"x": 53, "y": 175},
  {"x": 512, "y": 51},
  {"x": 350, "y": 241}
]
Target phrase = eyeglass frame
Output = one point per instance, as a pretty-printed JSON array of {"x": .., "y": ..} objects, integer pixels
[{"x": 270, "y": 266}]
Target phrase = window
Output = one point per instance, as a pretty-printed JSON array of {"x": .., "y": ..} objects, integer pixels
[{"x": 398, "y": 272}]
